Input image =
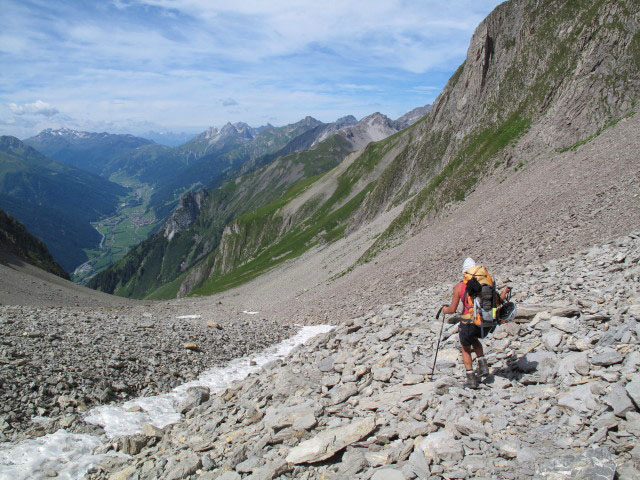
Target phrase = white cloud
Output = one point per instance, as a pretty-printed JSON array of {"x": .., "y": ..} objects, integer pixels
[
  {"x": 197, "y": 63},
  {"x": 36, "y": 108}
]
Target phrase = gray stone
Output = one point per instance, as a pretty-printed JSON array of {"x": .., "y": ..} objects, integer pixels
[
  {"x": 353, "y": 461},
  {"x": 441, "y": 446},
  {"x": 466, "y": 426},
  {"x": 607, "y": 357},
  {"x": 633, "y": 390},
  {"x": 419, "y": 464},
  {"x": 633, "y": 423},
  {"x": 271, "y": 470},
  {"x": 619, "y": 401},
  {"x": 508, "y": 448},
  {"x": 573, "y": 363},
  {"x": 195, "y": 396},
  {"x": 592, "y": 463},
  {"x": 551, "y": 340},
  {"x": 230, "y": 475},
  {"x": 628, "y": 472},
  {"x": 388, "y": 474},
  {"x": 579, "y": 398},
  {"x": 185, "y": 467},
  {"x": 527, "y": 455},
  {"x": 385, "y": 334},
  {"x": 412, "y": 379},
  {"x": 326, "y": 364},
  {"x": 328, "y": 442},
  {"x": 299, "y": 417},
  {"x": 413, "y": 429},
  {"x": 539, "y": 361},
  {"x": 132, "y": 444},
  {"x": 382, "y": 374},
  {"x": 343, "y": 393},
  {"x": 152, "y": 431},
  {"x": 565, "y": 324}
]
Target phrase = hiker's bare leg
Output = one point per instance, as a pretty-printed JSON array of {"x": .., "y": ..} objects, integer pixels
[
  {"x": 466, "y": 357},
  {"x": 477, "y": 347}
]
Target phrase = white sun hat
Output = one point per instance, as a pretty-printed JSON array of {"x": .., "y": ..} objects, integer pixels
[{"x": 468, "y": 263}]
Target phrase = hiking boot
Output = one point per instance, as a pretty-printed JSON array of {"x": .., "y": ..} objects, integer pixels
[
  {"x": 472, "y": 381},
  {"x": 483, "y": 367}
]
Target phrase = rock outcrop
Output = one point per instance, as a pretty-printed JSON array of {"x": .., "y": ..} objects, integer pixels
[{"x": 185, "y": 213}]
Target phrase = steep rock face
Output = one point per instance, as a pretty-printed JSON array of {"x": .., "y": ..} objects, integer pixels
[
  {"x": 538, "y": 76},
  {"x": 185, "y": 214}
]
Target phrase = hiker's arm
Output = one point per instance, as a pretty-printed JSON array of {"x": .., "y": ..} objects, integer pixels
[
  {"x": 451, "y": 308},
  {"x": 504, "y": 293}
]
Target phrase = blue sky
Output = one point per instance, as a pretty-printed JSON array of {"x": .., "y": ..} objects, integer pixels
[{"x": 130, "y": 66}]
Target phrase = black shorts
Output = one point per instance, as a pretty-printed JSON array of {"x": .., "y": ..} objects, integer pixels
[{"x": 469, "y": 333}]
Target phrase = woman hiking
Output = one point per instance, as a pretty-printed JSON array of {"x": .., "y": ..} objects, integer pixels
[{"x": 468, "y": 332}]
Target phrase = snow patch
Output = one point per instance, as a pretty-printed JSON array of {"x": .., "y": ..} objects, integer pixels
[
  {"x": 69, "y": 455},
  {"x": 161, "y": 410}
]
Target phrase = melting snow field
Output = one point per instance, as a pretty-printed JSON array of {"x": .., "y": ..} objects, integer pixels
[{"x": 71, "y": 455}]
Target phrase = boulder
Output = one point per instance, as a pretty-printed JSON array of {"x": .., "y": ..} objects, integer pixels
[
  {"x": 633, "y": 390},
  {"x": 328, "y": 442},
  {"x": 551, "y": 340},
  {"x": 195, "y": 396},
  {"x": 592, "y": 463},
  {"x": 537, "y": 361},
  {"x": 607, "y": 357},
  {"x": 580, "y": 399},
  {"x": 388, "y": 474},
  {"x": 382, "y": 374},
  {"x": 618, "y": 400},
  {"x": 441, "y": 446},
  {"x": 565, "y": 324},
  {"x": 299, "y": 417}
]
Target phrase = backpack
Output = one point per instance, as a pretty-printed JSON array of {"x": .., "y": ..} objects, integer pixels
[{"x": 481, "y": 297}]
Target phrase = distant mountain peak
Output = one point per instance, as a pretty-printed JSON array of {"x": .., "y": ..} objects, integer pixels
[{"x": 8, "y": 142}]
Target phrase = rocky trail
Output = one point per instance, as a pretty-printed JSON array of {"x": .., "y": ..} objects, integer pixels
[{"x": 562, "y": 400}]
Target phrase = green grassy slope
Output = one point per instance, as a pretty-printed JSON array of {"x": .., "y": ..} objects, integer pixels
[{"x": 157, "y": 261}]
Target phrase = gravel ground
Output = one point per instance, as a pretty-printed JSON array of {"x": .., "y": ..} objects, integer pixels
[
  {"x": 59, "y": 361},
  {"x": 107, "y": 349}
]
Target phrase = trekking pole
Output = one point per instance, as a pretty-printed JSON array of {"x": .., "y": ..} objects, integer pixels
[{"x": 435, "y": 357}]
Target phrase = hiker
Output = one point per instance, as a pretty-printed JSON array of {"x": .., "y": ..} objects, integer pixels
[{"x": 470, "y": 333}]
